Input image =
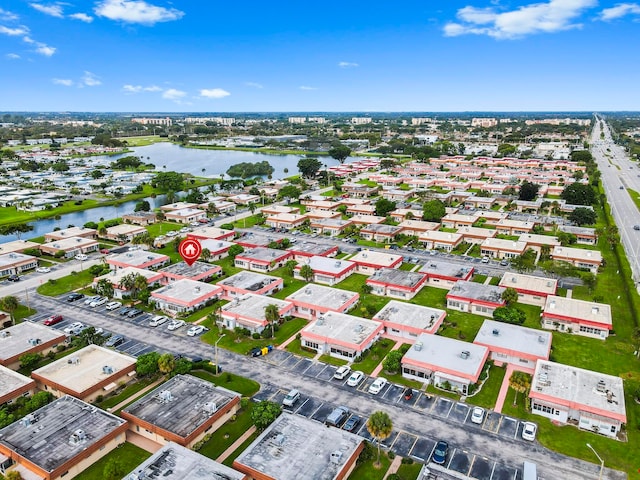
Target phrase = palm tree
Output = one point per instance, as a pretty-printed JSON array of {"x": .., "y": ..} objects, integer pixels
[
  {"x": 289, "y": 267},
  {"x": 104, "y": 287},
  {"x": 307, "y": 273},
  {"x": 379, "y": 427},
  {"x": 134, "y": 283},
  {"x": 272, "y": 315},
  {"x": 520, "y": 382},
  {"x": 206, "y": 254},
  {"x": 10, "y": 304},
  {"x": 166, "y": 363}
]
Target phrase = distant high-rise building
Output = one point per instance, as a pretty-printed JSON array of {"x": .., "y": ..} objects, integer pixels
[
  {"x": 484, "y": 122},
  {"x": 167, "y": 122},
  {"x": 360, "y": 120},
  {"x": 297, "y": 120},
  {"x": 415, "y": 121}
]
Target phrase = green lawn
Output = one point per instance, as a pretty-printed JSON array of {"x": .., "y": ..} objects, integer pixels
[
  {"x": 244, "y": 386},
  {"x": 326, "y": 358},
  {"x": 240, "y": 344},
  {"x": 203, "y": 312},
  {"x": 143, "y": 140},
  {"x": 407, "y": 266},
  {"x": 228, "y": 267},
  {"x": 127, "y": 392},
  {"x": 224, "y": 437},
  {"x": 128, "y": 456},
  {"x": 479, "y": 278},
  {"x": 247, "y": 222},
  {"x": 488, "y": 395},
  {"x": 400, "y": 380},
  {"x": 369, "y": 304},
  {"x": 55, "y": 287},
  {"x": 243, "y": 446},
  {"x": 409, "y": 471},
  {"x": 23, "y": 312},
  {"x": 368, "y": 471},
  {"x": 635, "y": 196},
  {"x": 162, "y": 228},
  {"x": 374, "y": 356},
  {"x": 296, "y": 347}
]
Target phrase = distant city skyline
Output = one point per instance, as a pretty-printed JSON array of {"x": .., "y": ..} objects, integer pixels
[{"x": 458, "y": 56}]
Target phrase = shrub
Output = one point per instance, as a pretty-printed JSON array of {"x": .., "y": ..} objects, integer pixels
[{"x": 255, "y": 336}]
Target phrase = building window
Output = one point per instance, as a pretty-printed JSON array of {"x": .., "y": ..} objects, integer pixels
[
  {"x": 342, "y": 353},
  {"x": 585, "y": 329},
  {"x": 545, "y": 409},
  {"x": 313, "y": 345}
]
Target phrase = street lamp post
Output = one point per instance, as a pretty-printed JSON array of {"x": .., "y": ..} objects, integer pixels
[
  {"x": 601, "y": 461},
  {"x": 216, "y": 351}
]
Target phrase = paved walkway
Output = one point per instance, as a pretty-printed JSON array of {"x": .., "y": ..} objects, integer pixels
[
  {"x": 488, "y": 280},
  {"x": 393, "y": 468},
  {"x": 503, "y": 389},
  {"x": 235, "y": 445},
  {"x": 136, "y": 395},
  {"x": 569, "y": 292},
  {"x": 378, "y": 369},
  {"x": 283, "y": 345}
]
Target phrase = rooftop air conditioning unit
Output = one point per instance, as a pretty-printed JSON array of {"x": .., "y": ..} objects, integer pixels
[
  {"x": 74, "y": 360},
  {"x": 34, "y": 341},
  {"x": 465, "y": 354},
  {"x": 496, "y": 332},
  {"x": 417, "y": 346},
  {"x": 107, "y": 369},
  {"x": 5, "y": 334}
]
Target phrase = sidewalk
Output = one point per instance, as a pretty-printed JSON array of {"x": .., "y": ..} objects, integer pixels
[
  {"x": 393, "y": 468},
  {"x": 235, "y": 445},
  {"x": 504, "y": 388}
]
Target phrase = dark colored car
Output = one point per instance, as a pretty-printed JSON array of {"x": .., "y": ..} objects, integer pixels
[
  {"x": 255, "y": 352},
  {"x": 72, "y": 297},
  {"x": 352, "y": 423},
  {"x": 13, "y": 278},
  {"x": 408, "y": 394},
  {"x": 440, "y": 452},
  {"x": 124, "y": 311},
  {"x": 114, "y": 341},
  {"x": 134, "y": 312},
  {"x": 53, "y": 319}
]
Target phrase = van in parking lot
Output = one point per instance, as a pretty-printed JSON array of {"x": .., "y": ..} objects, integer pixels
[
  {"x": 292, "y": 397},
  {"x": 337, "y": 416}
]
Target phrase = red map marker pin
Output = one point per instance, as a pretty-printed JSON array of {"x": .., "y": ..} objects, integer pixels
[{"x": 190, "y": 250}]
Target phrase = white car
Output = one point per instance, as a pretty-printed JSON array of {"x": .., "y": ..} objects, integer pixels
[
  {"x": 81, "y": 256},
  {"x": 158, "y": 320},
  {"x": 172, "y": 233},
  {"x": 89, "y": 300},
  {"x": 195, "y": 224},
  {"x": 355, "y": 378},
  {"x": 98, "y": 302},
  {"x": 529, "y": 430},
  {"x": 477, "y": 415},
  {"x": 377, "y": 386},
  {"x": 113, "y": 305},
  {"x": 176, "y": 324},
  {"x": 75, "y": 328},
  {"x": 195, "y": 330},
  {"x": 43, "y": 270},
  {"x": 342, "y": 372}
]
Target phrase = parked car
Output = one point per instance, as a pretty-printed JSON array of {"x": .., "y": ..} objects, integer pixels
[
  {"x": 75, "y": 328},
  {"x": 43, "y": 270},
  {"x": 355, "y": 378},
  {"x": 377, "y": 386},
  {"x": 81, "y": 256},
  {"x": 158, "y": 320},
  {"x": 408, "y": 394},
  {"x": 195, "y": 330},
  {"x": 112, "y": 305},
  {"x": 100, "y": 301},
  {"x": 134, "y": 312},
  {"x": 292, "y": 397},
  {"x": 477, "y": 415},
  {"x": 72, "y": 297},
  {"x": 337, "y": 417},
  {"x": 92, "y": 298},
  {"x": 123, "y": 311},
  {"x": 529, "y": 430},
  {"x": 352, "y": 423},
  {"x": 504, "y": 262},
  {"x": 176, "y": 324},
  {"x": 440, "y": 452},
  {"x": 636, "y": 227},
  {"x": 114, "y": 341},
  {"x": 13, "y": 278},
  {"x": 485, "y": 259},
  {"x": 342, "y": 372},
  {"x": 105, "y": 251},
  {"x": 257, "y": 351},
  {"x": 53, "y": 319}
]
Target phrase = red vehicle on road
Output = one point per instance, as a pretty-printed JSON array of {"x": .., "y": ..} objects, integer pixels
[{"x": 53, "y": 319}]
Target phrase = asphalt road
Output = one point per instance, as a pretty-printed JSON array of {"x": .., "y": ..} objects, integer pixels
[
  {"x": 617, "y": 170},
  {"x": 280, "y": 371}
]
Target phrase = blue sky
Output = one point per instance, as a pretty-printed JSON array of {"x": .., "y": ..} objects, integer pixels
[{"x": 214, "y": 56}]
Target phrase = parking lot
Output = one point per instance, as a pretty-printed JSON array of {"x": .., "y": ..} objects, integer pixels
[{"x": 405, "y": 444}]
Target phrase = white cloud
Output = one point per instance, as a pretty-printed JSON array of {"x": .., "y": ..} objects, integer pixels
[
  {"x": 136, "y": 11},
  {"x": 253, "y": 84},
  {"x": 44, "y": 49},
  {"x": 54, "y": 10},
  {"x": 214, "y": 93},
  {"x": 90, "y": 79},
  {"x": 13, "y": 32},
  {"x": 620, "y": 10},
  {"x": 139, "y": 88},
  {"x": 549, "y": 17},
  {"x": 173, "y": 94},
  {"x": 83, "y": 17},
  {"x": 8, "y": 16},
  {"x": 12, "y": 56},
  {"x": 347, "y": 65},
  {"x": 63, "y": 81},
  {"x": 306, "y": 87}
]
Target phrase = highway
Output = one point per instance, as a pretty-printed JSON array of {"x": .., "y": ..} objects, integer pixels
[{"x": 618, "y": 174}]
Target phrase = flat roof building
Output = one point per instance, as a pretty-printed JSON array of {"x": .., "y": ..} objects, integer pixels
[
  {"x": 437, "y": 240},
  {"x": 85, "y": 374},
  {"x": 186, "y": 215},
  {"x": 218, "y": 249},
  {"x": 294, "y": 447},
  {"x": 313, "y": 300},
  {"x": 249, "y": 282},
  {"x": 124, "y": 232},
  {"x": 502, "y": 248},
  {"x": 211, "y": 233},
  {"x": 71, "y": 246},
  {"x": 304, "y": 250},
  {"x": 71, "y": 232},
  {"x": 341, "y": 335},
  {"x": 175, "y": 462},
  {"x": 197, "y": 271},
  {"x": 14, "y": 385},
  {"x": 408, "y": 321},
  {"x": 532, "y": 290},
  {"x": 395, "y": 283},
  {"x": 579, "y": 317},
  {"x": 444, "y": 274},
  {"x": 380, "y": 232},
  {"x": 578, "y": 257},
  {"x": 17, "y": 246},
  {"x": 140, "y": 218},
  {"x": 27, "y": 337},
  {"x": 181, "y": 410},
  {"x": 330, "y": 226},
  {"x": 177, "y": 206},
  {"x": 475, "y": 298},
  {"x": 369, "y": 261},
  {"x": 61, "y": 439},
  {"x": 519, "y": 346},
  {"x": 262, "y": 259},
  {"x": 15, "y": 263},
  {"x": 446, "y": 362},
  {"x": 139, "y": 259},
  {"x": 247, "y": 311},
  {"x": 327, "y": 271},
  {"x": 255, "y": 240},
  {"x": 185, "y": 295},
  {"x": 287, "y": 221},
  {"x": 564, "y": 393}
]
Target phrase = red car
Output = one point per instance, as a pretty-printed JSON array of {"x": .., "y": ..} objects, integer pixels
[{"x": 53, "y": 319}]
